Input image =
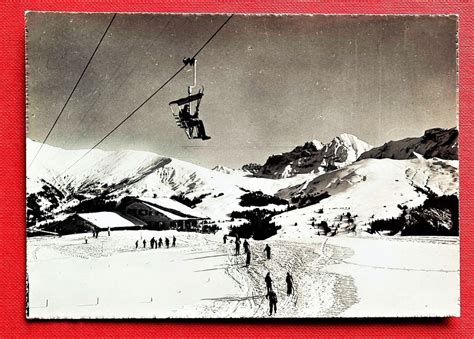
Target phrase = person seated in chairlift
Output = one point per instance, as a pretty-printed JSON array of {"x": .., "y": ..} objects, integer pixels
[{"x": 193, "y": 121}]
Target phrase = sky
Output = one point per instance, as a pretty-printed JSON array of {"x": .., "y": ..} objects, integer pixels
[{"x": 271, "y": 82}]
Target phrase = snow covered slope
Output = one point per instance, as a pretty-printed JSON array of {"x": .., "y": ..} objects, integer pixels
[
  {"x": 370, "y": 189},
  {"x": 315, "y": 157},
  {"x": 436, "y": 142},
  {"x": 143, "y": 174}
]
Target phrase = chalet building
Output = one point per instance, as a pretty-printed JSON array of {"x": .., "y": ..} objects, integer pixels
[
  {"x": 98, "y": 221},
  {"x": 164, "y": 213}
]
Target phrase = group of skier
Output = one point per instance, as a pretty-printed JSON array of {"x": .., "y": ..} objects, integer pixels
[
  {"x": 155, "y": 244},
  {"x": 246, "y": 246},
  {"x": 271, "y": 295}
]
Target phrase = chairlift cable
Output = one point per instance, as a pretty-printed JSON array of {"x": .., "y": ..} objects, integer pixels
[
  {"x": 148, "y": 99},
  {"x": 147, "y": 48},
  {"x": 73, "y": 90},
  {"x": 212, "y": 37}
]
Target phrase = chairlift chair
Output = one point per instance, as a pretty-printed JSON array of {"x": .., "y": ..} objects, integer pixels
[
  {"x": 177, "y": 105},
  {"x": 192, "y": 100}
]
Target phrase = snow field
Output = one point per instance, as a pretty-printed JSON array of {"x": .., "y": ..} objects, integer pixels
[
  {"x": 203, "y": 278},
  {"x": 129, "y": 282},
  {"x": 406, "y": 277}
]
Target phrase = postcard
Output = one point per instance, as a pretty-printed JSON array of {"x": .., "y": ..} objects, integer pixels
[{"x": 241, "y": 166}]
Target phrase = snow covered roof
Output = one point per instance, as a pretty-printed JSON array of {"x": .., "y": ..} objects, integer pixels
[
  {"x": 168, "y": 203},
  {"x": 168, "y": 214},
  {"x": 110, "y": 219}
]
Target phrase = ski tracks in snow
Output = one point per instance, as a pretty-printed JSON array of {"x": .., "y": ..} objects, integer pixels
[{"x": 315, "y": 292}]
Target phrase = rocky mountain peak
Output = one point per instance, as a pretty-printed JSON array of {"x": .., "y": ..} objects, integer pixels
[{"x": 315, "y": 157}]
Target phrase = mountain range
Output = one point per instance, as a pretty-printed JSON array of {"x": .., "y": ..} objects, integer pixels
[{"x": 343, "y": 175}]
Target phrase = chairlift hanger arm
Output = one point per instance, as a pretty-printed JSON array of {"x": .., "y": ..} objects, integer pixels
[{"x": 193, "y": 63}]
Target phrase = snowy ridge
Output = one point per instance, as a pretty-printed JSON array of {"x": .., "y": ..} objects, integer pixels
[
  {"x": 227, "y": 170},
  {"x": 436, "y": 142},
  {"x": 99, "y": 169}
]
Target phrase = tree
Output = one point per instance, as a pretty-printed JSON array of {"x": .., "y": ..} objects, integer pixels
[{"x": 258, "y": 227}]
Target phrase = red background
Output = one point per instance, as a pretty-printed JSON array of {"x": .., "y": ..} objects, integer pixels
[{"x": 12, "y": 176}]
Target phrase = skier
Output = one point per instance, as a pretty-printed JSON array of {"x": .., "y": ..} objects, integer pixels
[
  {"x": 144, "y": 243},
  {"x": 268, "y": 250},
  {"x": 268, "y": 282},
  {"x": 246, "y": 246},
  {"x": 225, "y": 238},
  {"x": 174, "y": 241},
  {"x": 160, "y": 242},
  {"x": 108, "y": 231},
  {"x": 152, "y": 242},
  {"x": 167, "y": 242},
  {"x": 136, "y": 244},
  {"x": 193, "y": 121},
  {"x": 237, "y": 246},
  {"x": 85, "y": 239},
  {"x": 272, "y": 297},
  {"x": 247, "y": 262},
  {"x": 289, "y": 284}
]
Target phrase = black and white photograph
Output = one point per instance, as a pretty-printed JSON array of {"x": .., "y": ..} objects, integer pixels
[{"x": 241, "y": 166}]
